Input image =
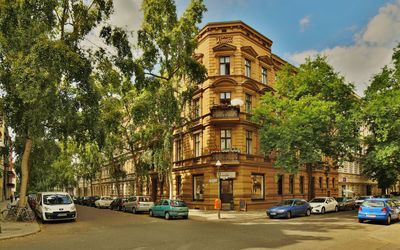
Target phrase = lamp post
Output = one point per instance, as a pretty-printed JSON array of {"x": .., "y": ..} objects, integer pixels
[{"x": 218, "y": 164}]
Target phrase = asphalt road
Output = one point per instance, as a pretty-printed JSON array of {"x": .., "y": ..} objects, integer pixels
[{"x": 105, "y": 229}]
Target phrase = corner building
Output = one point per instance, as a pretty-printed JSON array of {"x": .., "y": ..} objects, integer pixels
[{"x": 241, "y": 68}]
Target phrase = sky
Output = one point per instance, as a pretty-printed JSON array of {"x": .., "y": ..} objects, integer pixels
[{"x": 357, "y": 36}]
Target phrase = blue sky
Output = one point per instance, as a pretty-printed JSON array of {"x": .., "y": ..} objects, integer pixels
[{"x": 357, "y": 36}]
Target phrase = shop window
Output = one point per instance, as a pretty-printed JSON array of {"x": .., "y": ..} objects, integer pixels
[
  {"x": 224, "y": 65},
  {"x": 291, "y": 184},
  {"x": 247, "y": 67},
  {"x": 248, "y": 103},
  {"x": 280, "y": 184},
  {"x": 249, "y": 142},
  {"x": 263, "y": 75},
  {"x": 301, "y": 184},
  {"x": 225, "y": 98},
  {"x": 198, "y": 187},
  {"x": 226, "y": 139},
  {"x": 257, "y": 191}
]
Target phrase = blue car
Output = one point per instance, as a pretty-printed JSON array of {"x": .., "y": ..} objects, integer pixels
[
  {"x": 289, "y": 208},
  {"x": 378, "y": 209}
]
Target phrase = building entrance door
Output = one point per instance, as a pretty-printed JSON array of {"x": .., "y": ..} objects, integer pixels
[{"x": 226, "y": 191}]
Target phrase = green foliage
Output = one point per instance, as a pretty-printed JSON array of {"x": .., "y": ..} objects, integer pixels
[
  {"x": 309, "y": 120},
  {"x": 381, "y": 115}
]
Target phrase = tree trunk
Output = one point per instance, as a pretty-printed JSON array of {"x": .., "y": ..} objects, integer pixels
[
  {"x": 91, "y": 187},
  {"x": 310, "y": 192},
  {"x": 170, "y": 181},
  {"x": 25, "y": 172}
]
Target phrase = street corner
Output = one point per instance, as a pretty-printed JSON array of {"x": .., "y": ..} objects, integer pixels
[{"x": 10, "y": 230}]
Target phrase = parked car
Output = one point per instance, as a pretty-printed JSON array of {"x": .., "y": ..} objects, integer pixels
[
  {"x": 346, "y": 203},
  {"x": 324, "y": 204},
  {"x": 378, "y": 209},
  {"x": 136, "y": 204},
  {"x": 85, "y": 201},
  {"x": 361, "y": 199},
  {"x": 103, "y": 202},
  {"x": 55, "y": 206},
  {"x": 289, "y": 208},
  {"x": 92, "y": 200},
  {"x": 117, "y": 203},
  {"x": 78, "y": 200},
  {"x": 169, "y": 209}
]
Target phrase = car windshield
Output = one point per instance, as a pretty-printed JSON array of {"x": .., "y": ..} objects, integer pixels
[
  {"x": 373, "y": 203},
  {"x": 285, "y": 203},
  {"x": 339, "y": 199},
  {"x": 56, "y": 199},
  {"x": 317, "y": 200},
  {"x": 178, "y": 203},
  {"x": 145, "y": 199}
]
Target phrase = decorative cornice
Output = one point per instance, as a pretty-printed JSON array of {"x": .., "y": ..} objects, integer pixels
[
  {"x": 224, "y": 47},
  {"x": 249, "y": 50}
]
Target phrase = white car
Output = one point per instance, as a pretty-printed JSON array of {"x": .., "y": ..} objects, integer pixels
[
  {"x": 324, "y": 204},
  {"x": 103, "y": 202},
  {"x": 55, "y": 206}
]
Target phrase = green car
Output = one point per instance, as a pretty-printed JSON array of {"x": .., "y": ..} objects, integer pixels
[{"x": 169, "y": 209}]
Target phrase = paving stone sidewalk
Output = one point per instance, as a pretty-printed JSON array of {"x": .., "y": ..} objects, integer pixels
[
  {"x": 212, "y": 215},
  {"x": 16, "y": 229}
]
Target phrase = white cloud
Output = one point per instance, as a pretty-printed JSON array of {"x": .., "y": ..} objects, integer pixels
[
  {"x": 372, "y": 48},
  {"x": 305, "y": 21}
]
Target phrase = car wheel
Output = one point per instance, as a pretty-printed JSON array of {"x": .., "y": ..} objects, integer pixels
[
  {"x": 323, "y": 210},
  {"x": 167, "y": 216},
  {"x": 134, "y": 210},
  {"x": 186, "y": 217},
  {"x": 360, "y": 220},
  {"x": 271, "y": 217},
  {"x": 336, "y": 209},
  {"x": 151, "y": 213},
  {"x": 308, "y": 212},
  {"x": 288, "y": 215},
  {"x": 388, "y": 220}
]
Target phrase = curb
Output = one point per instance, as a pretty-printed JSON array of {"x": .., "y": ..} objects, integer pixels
[{"x": 22, "y": 234}]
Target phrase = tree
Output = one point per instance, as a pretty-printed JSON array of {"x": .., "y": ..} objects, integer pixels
[
  {"x": 381, "y": 116},
  {"x": 309, "y": 120},
  {"x": 168, "y": 44},
  {"x": 44, "y": 74}
]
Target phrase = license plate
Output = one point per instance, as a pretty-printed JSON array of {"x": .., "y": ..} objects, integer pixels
[
  {"x": 62, "y": 215},
  {"x": 272, "y": 213},
  {"x": 371, "y": 215}
]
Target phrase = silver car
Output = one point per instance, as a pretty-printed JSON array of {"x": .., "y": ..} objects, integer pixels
[{"x": 136, "y": 204}]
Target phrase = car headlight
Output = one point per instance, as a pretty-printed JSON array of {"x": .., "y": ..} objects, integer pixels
[
  {"x": 72, "y": 208},
  {"x": 318, "y": 206},
  {"x": 46, "y": 209}
]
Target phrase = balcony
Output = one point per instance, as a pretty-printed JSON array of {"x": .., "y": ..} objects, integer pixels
[
  {"x": 224, "y": 113},
  {"x": 226, "y": 156}
]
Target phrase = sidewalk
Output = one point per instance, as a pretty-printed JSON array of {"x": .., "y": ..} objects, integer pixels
[
  {"x": 16, "y": 229},
  {"x": 212, "y": 215}
]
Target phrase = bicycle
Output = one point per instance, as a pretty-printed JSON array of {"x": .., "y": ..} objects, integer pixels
[
  {"x": 26, "y": 214},
  {"x": 10, "y": 213}
]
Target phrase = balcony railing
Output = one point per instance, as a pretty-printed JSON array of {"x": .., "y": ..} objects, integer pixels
[
  {"x": 225, "y": 111},
  {"x": 226, "y": 155}
]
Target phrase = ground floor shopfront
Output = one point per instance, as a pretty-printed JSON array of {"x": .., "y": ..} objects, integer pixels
[
  {"x": 354, "y": 185},
  {"x": 248, "y": 186}
]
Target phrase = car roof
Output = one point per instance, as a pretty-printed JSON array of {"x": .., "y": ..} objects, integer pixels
[{"x": 379, "y": 199}]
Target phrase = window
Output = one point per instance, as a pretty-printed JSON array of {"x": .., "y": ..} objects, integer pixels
[
  {"x": 320, "y": 182},
  {"x": 249, "y": 142},
  {"x": 333, "y": 182},
  {"x": 291, "y": 184},
  {"x": 327, "y": 183},
  {"x": 247, "y": 67},
  {"x": 263, "y": 75},
  {"x": 280, "y": 184},
  {"x": 224, "y": 65},
  {"x": 226, "y": 139},
  {"x": 198, "y": 187},
  {"x": 225, "y": 98},
  {"x": 257, "y": 191},
  {"x": 301, "y": 184},
  {"x": 197, "y": 150},
  {"x": 248, "y": 103},
  {"x": 178, "y": 150},
  {"x": 196, "y": 108},
  {"x": 178, "y": 185}
]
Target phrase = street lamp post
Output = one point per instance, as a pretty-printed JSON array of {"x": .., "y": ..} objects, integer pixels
[{"x": 218, "y": 164}]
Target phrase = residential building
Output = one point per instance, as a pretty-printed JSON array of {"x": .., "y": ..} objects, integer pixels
[{"x": 241, "y": 68}]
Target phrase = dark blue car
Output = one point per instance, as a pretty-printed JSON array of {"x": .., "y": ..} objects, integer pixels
[
  {"x": 378, "y": 209},
  {"x": 289, "y": 208}
]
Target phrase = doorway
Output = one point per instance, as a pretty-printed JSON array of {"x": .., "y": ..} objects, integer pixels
[{"x": 226, "y": 191}]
